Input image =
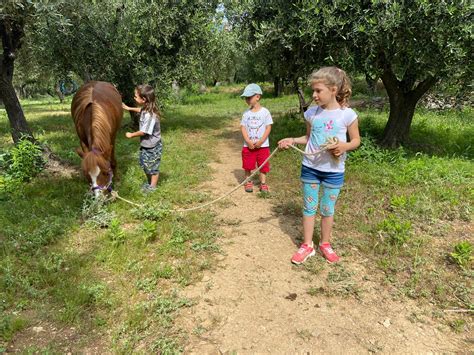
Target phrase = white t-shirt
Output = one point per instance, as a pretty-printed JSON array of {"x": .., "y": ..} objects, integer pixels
[
  {"x": 255, "y": 123},
  {"x": 324, "y": 124}
]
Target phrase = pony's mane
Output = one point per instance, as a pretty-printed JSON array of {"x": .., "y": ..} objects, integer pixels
[
  {"x": 101, "y": 128},
  {"x": 82, "y": 99},
  {"x": 100, "y": 124}
]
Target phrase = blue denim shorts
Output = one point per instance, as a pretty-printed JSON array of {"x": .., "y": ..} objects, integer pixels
[{"x": 326, "y": 178}]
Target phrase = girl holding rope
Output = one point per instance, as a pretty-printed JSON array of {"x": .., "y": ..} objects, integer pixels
[{"x": 330, "y": 120}]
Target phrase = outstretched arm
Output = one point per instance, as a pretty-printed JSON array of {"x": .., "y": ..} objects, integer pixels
[
  {"x": 286, "y": 142},
  {"x": 128, "y": 108},
  {"x": 134, "y": 134}
]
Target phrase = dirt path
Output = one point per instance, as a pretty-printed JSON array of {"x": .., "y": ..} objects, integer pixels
[{"x": 255, "y": 301}]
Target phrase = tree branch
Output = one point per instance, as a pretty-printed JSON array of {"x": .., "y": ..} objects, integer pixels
[
  {"x": 388, "y": 76},
  {"x": 423, "y": 87},
  {"x": 303, "y": 104}
]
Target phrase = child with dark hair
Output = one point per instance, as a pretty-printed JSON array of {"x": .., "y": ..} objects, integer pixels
[{"x": 149, "y": 131}]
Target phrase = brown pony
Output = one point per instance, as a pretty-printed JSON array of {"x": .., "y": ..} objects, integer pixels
[{"x": 97, "y": 112}]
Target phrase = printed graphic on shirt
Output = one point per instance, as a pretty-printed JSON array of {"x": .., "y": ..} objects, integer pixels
[
  {"x": 253, "y": 125},
  {"x": 322, "y": 129}
]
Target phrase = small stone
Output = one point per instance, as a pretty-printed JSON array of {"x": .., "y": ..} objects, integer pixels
[
  {"x": 38, "y": 329},
  {"x": 386, "y": 323}
]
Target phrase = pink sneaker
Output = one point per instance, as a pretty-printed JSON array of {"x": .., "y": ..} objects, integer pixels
[
  {"x": 328, "y": 253},
  {"x": 303, "y": 253},
  {"x": 248, "y": 186}
]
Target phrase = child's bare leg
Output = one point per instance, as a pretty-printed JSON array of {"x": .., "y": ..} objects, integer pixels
[
  {"x": 148, "y": 178},
  {"x": 154, "y": 180},
  {"x": 326, "y": 228},
  {"x": 308, "y": 229},
  {"x": 248, "y": 173},
  {"x": 263, "y": 178}
]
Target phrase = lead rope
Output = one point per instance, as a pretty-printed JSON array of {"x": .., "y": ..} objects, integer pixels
[{"x": 325, "y": 146}]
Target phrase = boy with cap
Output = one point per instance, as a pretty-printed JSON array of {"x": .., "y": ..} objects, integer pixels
[{"x": 255, "y": 125}]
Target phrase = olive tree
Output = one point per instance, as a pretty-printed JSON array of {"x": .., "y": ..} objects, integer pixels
[
  {"x": 130, "y": 42},
  {"x": 410, "y": 45}
]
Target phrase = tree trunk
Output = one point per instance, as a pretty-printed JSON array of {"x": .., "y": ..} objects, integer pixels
[
  {"x": 86, "y": 76},
  {"x": 127, "y": 90},
  {"x": 397, "y": 129},
  {"x": 403, "y": 96},
  {"x": 59, "y": 92},
  {"x": 15, "y": 114},
  {"x": 11, "y": 35},
  {"x": 277, "y": 86},
  {"x": 371, "y": 83}
]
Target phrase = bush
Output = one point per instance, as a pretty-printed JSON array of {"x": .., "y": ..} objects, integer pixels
[{"x": 24, "y": 161}]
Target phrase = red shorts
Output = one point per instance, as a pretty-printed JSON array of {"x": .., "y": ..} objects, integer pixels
[{"x": 252, "y": 159}]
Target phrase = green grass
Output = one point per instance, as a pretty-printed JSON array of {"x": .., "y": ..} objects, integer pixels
[
  {"x": 58, "y": 262},
  {"x": 117, "y": 270}
]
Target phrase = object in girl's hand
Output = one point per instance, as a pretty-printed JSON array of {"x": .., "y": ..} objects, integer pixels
[{"x": 329, "y": 144}]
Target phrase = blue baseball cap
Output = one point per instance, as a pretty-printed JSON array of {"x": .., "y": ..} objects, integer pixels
[{"x": 251, "y": 89}]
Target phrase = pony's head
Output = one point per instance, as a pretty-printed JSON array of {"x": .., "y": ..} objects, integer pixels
[{"x": 97, "y": 170}]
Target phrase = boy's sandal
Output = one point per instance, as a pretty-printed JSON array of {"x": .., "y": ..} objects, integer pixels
[
  {"x": 248, "y": 186},
  {"x": 264, "y": 188}
]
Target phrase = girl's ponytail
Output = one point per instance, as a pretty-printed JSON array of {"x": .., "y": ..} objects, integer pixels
[{"x": 345, "y": 90}]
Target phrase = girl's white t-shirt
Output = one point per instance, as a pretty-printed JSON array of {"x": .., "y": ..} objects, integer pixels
[
  {"x": 255, "y": 123},
  {"x": 325, "y": 124}
]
